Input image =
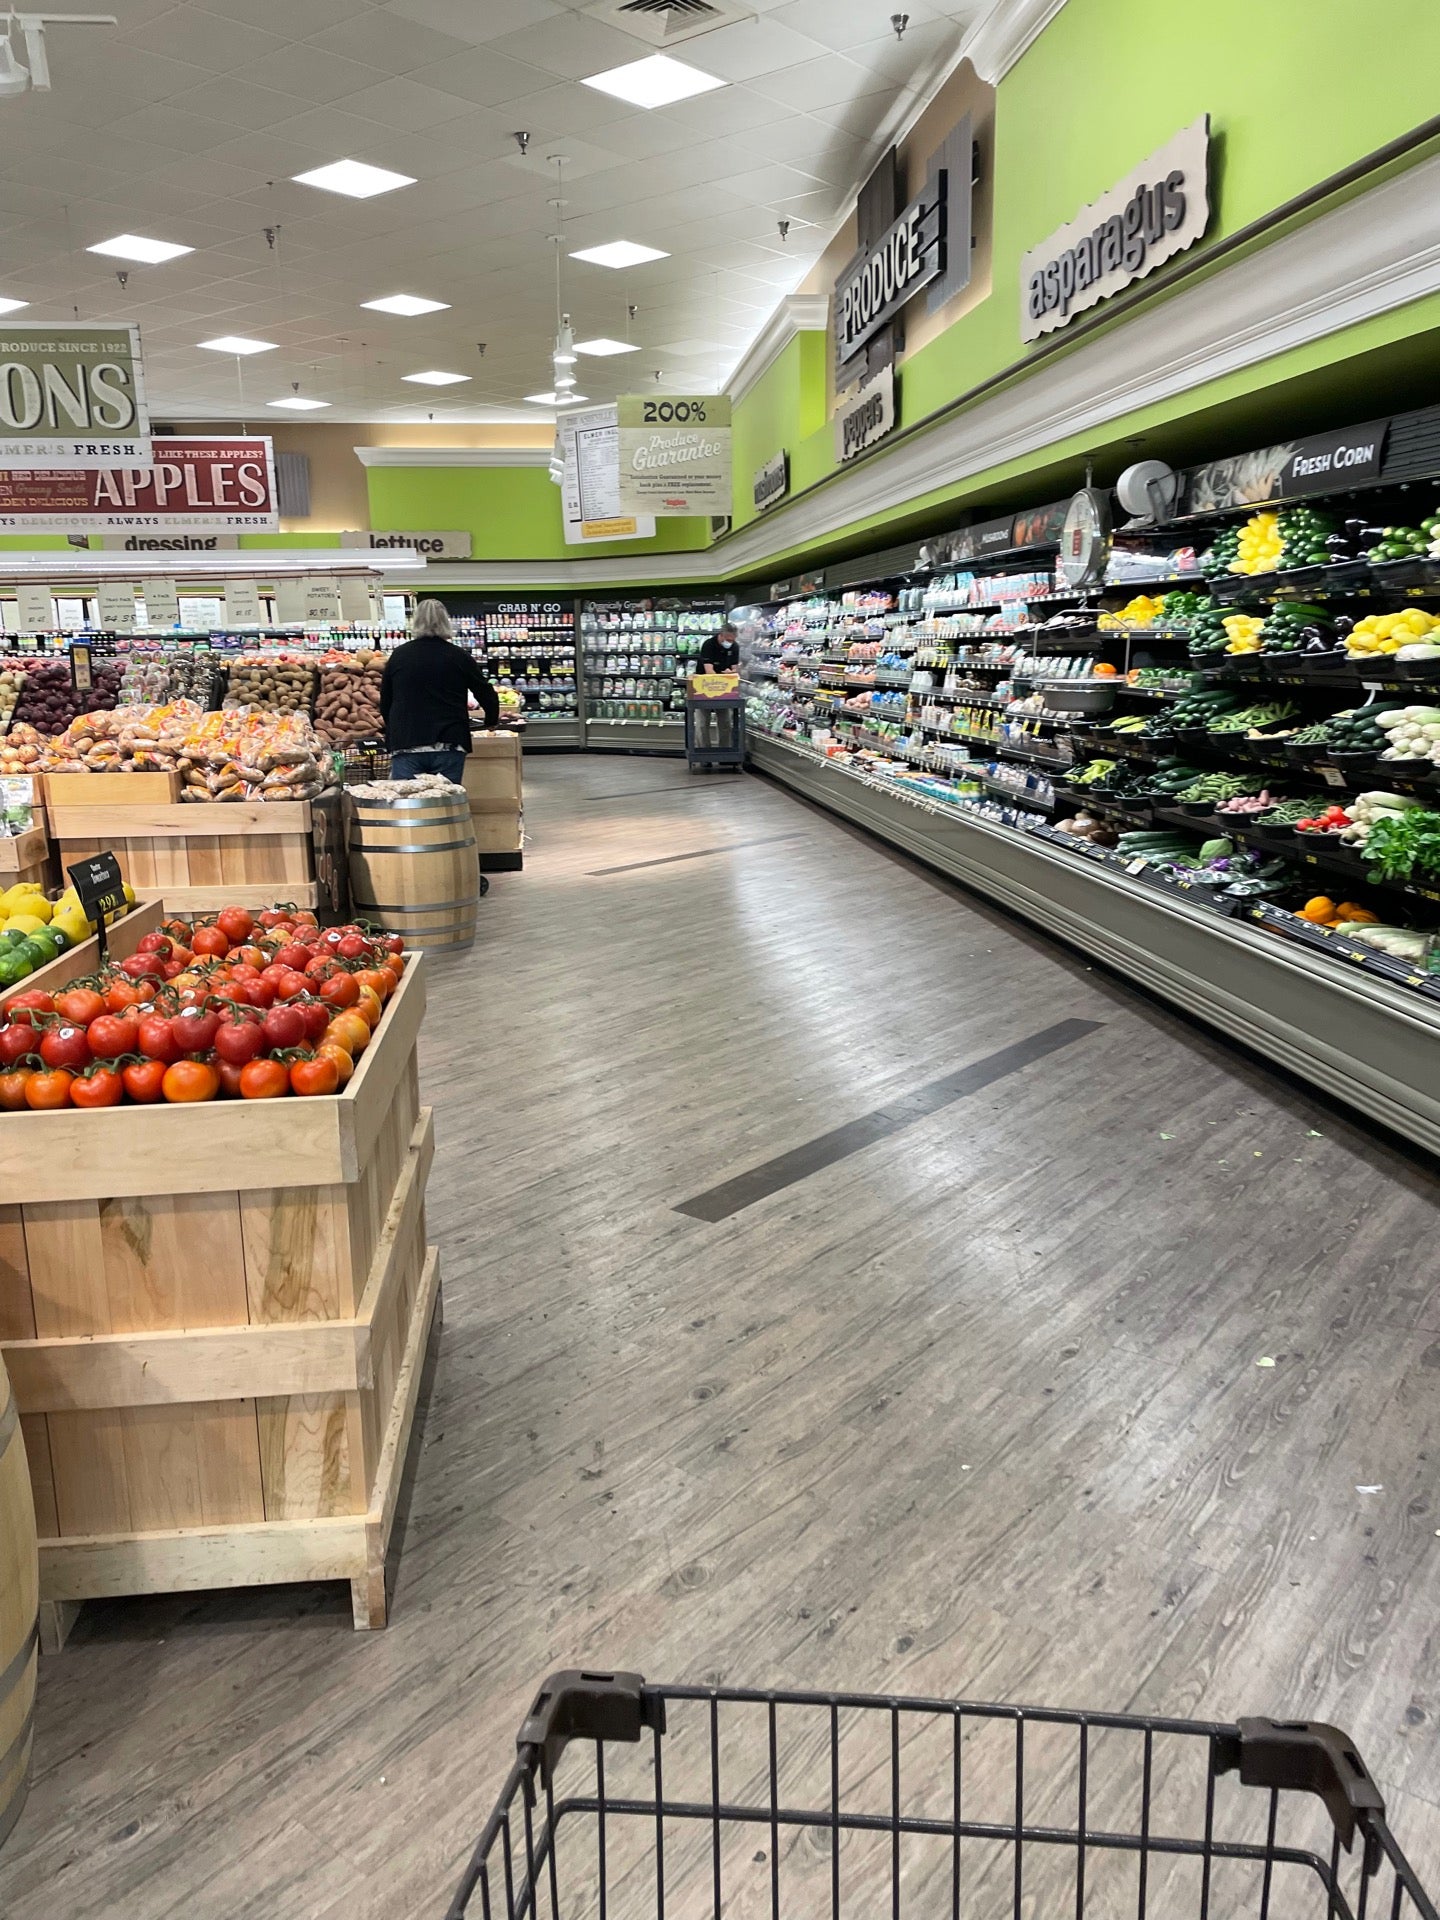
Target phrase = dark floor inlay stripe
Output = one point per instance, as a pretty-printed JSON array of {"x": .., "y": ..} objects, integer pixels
[
  {"x": 631, "y": 793},
  {"x": 718, "y": 1203},
  {"x": 701, "y": 853}
]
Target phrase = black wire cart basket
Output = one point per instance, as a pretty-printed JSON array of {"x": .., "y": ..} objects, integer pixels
[{"x": 699, "y": 1801}]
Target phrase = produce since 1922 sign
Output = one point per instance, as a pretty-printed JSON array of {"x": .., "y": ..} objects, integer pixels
[
  {"x": 72, "y": 396},
  {"x": 193, "y": 484}
]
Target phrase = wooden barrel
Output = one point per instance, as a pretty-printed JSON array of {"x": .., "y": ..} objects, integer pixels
[
  {"x": 415, "y": 868},
  {"x": 19, "y": 1605}
]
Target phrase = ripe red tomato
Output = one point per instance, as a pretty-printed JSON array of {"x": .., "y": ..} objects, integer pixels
[
  {"x": 340, "y": 990},
  {"x": 353, "y": 946},
  {"x": 210, "y": 940},
  {"x": 65, "y": 1046},
  {"x": 264, "y": 1080},
  {"x": 303, "y": 918},
  {"x": 142, "y": 1080},
  {"x": 32, "y": 1001},
  {"x": 275, "y": 973},
  {"x": 16, "y": 1041},
  {"x": 323, "y": 966},
  {"x": 290, "y": 985},
  {"x": 177, "y": 929},
  {"x": 185, "y": 955},
  {"x": 155, "y": 1039},
  {"x": 174, "y": 968},
  {"x": 317, "y": 1017},
  {"x": 142, "y": 966},
  {"x": 235, "y": 923},
  {"x": 123, "y": 993},
  {"x": 293, "y": 955},
  {"x": 112, "y": 1034},
  {"x": 284, "y": 1027},
  {"x": 330, "y": 939},
  {"x": 320, "y": 1075},
  {"x": 229, "y": 1072},
  {"x": 190, "y": 1080},
  {"x": 46, "y": 1091},
  {"x": 12, "y": 1088},
  {"x": 273, "y": 917},
  {"x": 239, "y": 1040},
  {"x": 391, "y": 942},
  {"x": 79, "y": 1005},
  {"x": 160, "y": 944},
  {"x": 251, "y": 956},
  {"x": 101, "y": 1086},
  {"x": 194, "y": 1028}
]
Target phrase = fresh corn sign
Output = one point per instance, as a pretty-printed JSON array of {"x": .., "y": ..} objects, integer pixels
[
  {"x": 72, "y": 397},
  {"x": 1157, "y": 211},
  {"x": 675, "y": 454}
]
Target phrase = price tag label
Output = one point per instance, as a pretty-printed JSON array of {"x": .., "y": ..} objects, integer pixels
[
  {"x": 162, "y": 603},
  {"x": 34, "y": 609},
  {"x": 81, "y": 677},
  {"x": 1332, "y": 776},
  {"x": 100, "y": 887},
  {"x": 1137, "y": 866}
]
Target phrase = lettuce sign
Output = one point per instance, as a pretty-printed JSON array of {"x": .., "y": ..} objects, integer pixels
[
  {"x": 72, "y": 397},
  {"x": 675, "y": 454}
]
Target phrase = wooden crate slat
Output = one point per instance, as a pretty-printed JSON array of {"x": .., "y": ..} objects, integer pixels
[
  {"x": 183, "y": 1560},
  {"x": 305, "y": 1458},
  {"x": 185, "y": 820},
  {"x": 181, "y": 1365},
  {"x": 298, "y": 1259},
  {"x": 173, "y": 1260},
  {"x": 36, "y": 1429}
]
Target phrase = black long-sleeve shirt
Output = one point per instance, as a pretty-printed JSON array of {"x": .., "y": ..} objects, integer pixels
[{"x": 422, "y": 696}]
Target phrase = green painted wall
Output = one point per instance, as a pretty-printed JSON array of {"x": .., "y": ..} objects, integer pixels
[
  {"x": 513, "y": 513},
  {"x": 1295, "y": 91}
]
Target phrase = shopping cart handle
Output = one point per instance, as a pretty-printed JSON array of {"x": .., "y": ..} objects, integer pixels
[
  {"x": 1304, "y": 1756},
  {"x": 575, "y": 1705}
]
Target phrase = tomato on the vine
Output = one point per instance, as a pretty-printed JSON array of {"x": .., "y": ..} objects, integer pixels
[
  {"x": 195, "y": 1028},
  {"x": 210, "y": 940},
  {"x": 369, "y": 1006},
  {"x": 318, "y": 1075},
  {"x": 111, "y": 1035},
  {"x": 16, "y": 1041},
  {"x": 324, "y": 966},
  {"x": 235, "y": 923},
  {"x": 353, "y": 946},
  {"x": 156, "y": 1040},
  {"x": 46, "y": 1091},
  {"x": 340, "y": 990},
  {"x": 121, "y": 994},
  {"x": 142, "y": 966},
  {"x": 284, "y": 1026},
  {"x": 142, "y": 1080},
  {"x": 317, "y": 1016},
  {"x": 264, "y": 1080},
  {"x": 249, "y": 956},
  {"x": 79, "y": 1005},
  {"x": 380, "y": 981},
  {"x": 12, "y": 1088},
  {"x": 160, "y": 944},
  {"x": 99, "y": 1086},
  {"x": 291, "y": 985},
  {"x": 25, "y": 1005},
  {"x": 239, "y": 1040},
  {"x": 293, "y": 955},
  {"x": 344, "y": 1062},
  {"x": 66, "y": 1046},
  {"x": 229, "y": 1072},
  {"x": 188, "y": 1081},
  {"x": 351, "y": 1032}
]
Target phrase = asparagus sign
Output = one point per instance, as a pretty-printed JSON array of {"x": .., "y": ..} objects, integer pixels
[
  {"x": 72, "y": 397},
  {"x": 675, "y": 454}
]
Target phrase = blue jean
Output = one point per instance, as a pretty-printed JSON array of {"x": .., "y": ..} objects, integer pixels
[{"x": 450, "y": 765}]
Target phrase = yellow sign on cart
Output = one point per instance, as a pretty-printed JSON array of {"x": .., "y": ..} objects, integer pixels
[{"x": 714, "y": 686}]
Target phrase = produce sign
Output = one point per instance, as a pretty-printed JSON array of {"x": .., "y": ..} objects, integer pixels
[
  {"x": 1319, "y": 464},
  {"x": 72, "y": 397},
  {"x": 236, "y": 1007},
  {"x": 868, "y": 417},
  {"x": 193, "y": 483},
  {"x": 1153, "y": 214},
  {"x": 674, "y": 454}
]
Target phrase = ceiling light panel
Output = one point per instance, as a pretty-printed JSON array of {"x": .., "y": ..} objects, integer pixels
[
  {"x": 297, "y": 403},
  {"x": 237, "y": 343},
  {"x": 435, "y": 378},
  {"x": 134, "y": 246},
  {"x": 409, "y": 304},
  {"x": 354, "y": 178},
  {"x": 555, "y": 399},
  {"x": 12, "y": 306},
  {"x": 603, "y": 348},
  {"x": 656, "y": 82},
  {"x": 619, "y": 253}
]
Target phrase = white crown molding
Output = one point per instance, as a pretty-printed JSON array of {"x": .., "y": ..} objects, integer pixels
[
  {"x": 797, "y": 313},
  {"x": 453, "y": 456},
  {"x": 1006, "y": 32},
  {"x": 1377, "y": 253}
]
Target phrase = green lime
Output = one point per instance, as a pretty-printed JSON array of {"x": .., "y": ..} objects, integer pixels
[
  {"x": 13, "y": 968},
  {"x": 12, "y": 937},
  {"x": 62, "y": 940},
  {"x": 47, "y": 943},
  {"x": 33, "y": 954}
]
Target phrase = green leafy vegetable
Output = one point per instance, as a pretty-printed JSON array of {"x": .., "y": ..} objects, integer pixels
[{"x": 1402, "y": 844}]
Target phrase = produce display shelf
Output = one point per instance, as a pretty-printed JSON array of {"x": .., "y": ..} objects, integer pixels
[
  {"x": 1372, "y": 1044},
  {"x": 1017, "y": 750}
]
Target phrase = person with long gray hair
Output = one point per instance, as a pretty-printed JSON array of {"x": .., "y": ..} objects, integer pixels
[{"x": 424, "y": 698}]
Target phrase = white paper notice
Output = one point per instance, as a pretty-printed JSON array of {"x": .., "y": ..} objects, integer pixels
[
  {"x": 290, "y": 600},
  {"x": 322, "y": 602},
  {"x": 242, "y": 604},
  {"x": 34, "y": 609},
  {"x": 162, "y": 603},
  {"x": 116, "y": 605},
  {"x": 354, "y": 598}
]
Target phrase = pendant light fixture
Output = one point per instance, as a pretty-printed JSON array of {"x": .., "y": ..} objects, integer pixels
[{"x": 563, "y": 359}]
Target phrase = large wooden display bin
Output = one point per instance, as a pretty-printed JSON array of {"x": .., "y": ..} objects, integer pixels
[
  {"x": 25, "y": 856},
  {"x": 493, "y": 782},
  {"x": 202, "y": 857},
  {"x": 215, "y": 1321}
]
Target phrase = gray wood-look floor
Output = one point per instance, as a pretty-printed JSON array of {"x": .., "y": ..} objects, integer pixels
[{"x": 973, "y": 1411}]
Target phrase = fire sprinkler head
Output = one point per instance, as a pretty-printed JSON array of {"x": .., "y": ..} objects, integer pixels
[
  {"x": 899, "y": 21},
  {"x": 522, "y": 140}
]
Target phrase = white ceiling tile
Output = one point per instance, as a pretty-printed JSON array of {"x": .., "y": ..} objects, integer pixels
[
  {"x": 828, "y": 82},
  {"x": 486, "y": 77},
  {"x": 404, "y": 103},
  {"x": 203, "y": 38},
  {"x": 571, "y": 46},
  {"x": 382, "y": 39},
  {"x": 732, "y": 110},
  {"x": 751, "y": 47},
  {"x": 477, "y": 23},
  {"x": 302, "y": 17},
  {"x": 233, "y": 103},
  {"x": 308, "y": 74},
  {"x": 849, "y": 23}
]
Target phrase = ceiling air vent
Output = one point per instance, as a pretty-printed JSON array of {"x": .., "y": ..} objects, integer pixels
[{"x": 664, "y": 23}]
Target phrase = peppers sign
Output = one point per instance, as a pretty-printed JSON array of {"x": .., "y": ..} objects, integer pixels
[
  {"x": 72, "y": 397},
  {"x": 1157, "y": 211},
  {"x": 868, "y": 417},
  {"x": 192, "y": 483},
  {"x": 675, "y": 454}
]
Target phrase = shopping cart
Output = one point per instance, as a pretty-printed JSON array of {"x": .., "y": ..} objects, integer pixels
[
  {"x": 717, "y": 695},
  {"x": 687, "y": 1800}
]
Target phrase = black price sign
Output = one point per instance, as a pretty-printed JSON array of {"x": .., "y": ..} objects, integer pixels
[{"x": 100, "y": 887}]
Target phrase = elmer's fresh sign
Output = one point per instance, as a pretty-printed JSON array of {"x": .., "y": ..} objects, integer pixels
[
  {"x": 193, "y": 483},
  {"x": 72, "y": 397},
  {"x": 1154, "y": 213}
]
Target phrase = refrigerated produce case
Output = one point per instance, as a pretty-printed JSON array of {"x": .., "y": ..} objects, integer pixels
[{"x": 636, "y": 655}]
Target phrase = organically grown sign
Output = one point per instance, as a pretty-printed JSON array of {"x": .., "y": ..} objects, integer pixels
[
  {"x": 72, "y": 397},
  {"x": 675, "y": 454},
  {"x": 1155, "y": 212}
]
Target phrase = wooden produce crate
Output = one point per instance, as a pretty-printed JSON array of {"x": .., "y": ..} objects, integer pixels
[
  {"x": 493, "y": 782},
  {"x": 25, "y": 856},
  {"x": 218, "y": 1382},
  {"x": 122, "y": 937},
  {"x": 201, "y": 856},
  {"x": 111, "y": 789}
]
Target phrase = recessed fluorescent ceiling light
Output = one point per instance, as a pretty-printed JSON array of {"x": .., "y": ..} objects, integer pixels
[
  {"x": 619, "y": 253},
  {"x": 554, "y": 399},
  {"x": 602, "y": 347},
  {"x": 407, "y": 303},
  {"x": 12, "y": 306},
  {"x": 656, "y": 82},
  {"x": 434, "y": 379},
  {"x": 237, "y": 343},
  {"x": 297, "y": 403},
  {"x": 355, "y": 178},
  {"x": 134, "y": 246}
]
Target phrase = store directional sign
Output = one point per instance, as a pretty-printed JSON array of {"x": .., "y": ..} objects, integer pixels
[
  {"x": 865, "y": 418},
  {"x": 72, "y": 397},
  {"x": 882, "y": 277},
  {"x": 772, "y": 482}
]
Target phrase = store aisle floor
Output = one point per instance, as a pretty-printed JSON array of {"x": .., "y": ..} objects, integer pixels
[{"x": 755, "y": 1367}]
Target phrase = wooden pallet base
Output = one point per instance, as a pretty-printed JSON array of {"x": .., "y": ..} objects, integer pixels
[{"x": 349, "y": 1547}]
